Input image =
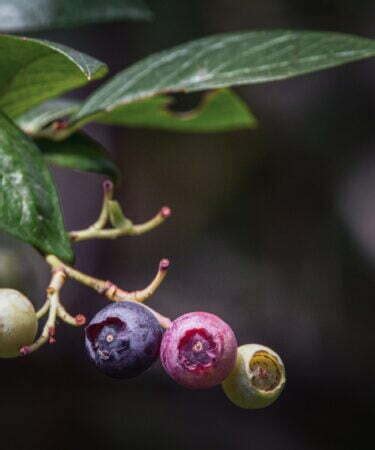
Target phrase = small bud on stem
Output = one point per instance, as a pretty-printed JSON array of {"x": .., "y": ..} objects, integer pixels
[{"x": 165, "y": 212}]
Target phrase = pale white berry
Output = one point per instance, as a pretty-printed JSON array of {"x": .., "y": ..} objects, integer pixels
[
  {"x": 18, "y": 322},
  {"x": 257, "y": 379}
]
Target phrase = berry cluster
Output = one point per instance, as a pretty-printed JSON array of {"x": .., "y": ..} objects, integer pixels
[{"x": 198, "y": 350}]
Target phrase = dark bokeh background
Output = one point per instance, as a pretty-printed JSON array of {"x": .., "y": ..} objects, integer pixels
[{"x": 273, "y": 229}]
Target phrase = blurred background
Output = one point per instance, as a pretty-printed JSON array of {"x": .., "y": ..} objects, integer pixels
[{"x": 273, "y": 229}]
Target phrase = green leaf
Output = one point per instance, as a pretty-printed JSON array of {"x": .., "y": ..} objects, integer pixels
[
  {"x": 220, "y": 110},
  {"x": 29, "y": 206},
  {"x": 79, "y": 152},
  {"x": 226, "y": 60},
  {"x": 20, "y": 15},
  {"x": 32, "y": 71},
  {"x": 38, "y": 117}
]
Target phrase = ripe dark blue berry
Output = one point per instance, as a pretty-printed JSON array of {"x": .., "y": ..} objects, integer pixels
[{"x": 123, "y": 339}]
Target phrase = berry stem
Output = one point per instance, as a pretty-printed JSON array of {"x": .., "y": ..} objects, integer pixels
[
  {"x": 93, "y": 283},
  {"x": 128, "y": 229},
  {"x": 43, "y": 310},
  {"x": 110, "y": 212},
  {"x": 53, "y": 294},
  {"x": 107, "y": 197},
  {"x": 76, "y": 321},
  {"x": 147, "y": 292},
  {"x": 121, "y": 226},
  {"x": 103, "y": 216},
  {"x": 110, "y": 290}
]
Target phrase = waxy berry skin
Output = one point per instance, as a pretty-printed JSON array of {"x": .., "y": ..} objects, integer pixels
[
  {"x": 18, "y": 322},
  {"x": 199, "y": 350},
  {"x": 123, "y": 339},
  {"x": 257, "y": 379}
]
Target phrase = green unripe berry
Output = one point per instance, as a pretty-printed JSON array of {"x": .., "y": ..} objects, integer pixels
[
  {"x": 257, "y": 379},
  {"x": 18, "y": 322}
]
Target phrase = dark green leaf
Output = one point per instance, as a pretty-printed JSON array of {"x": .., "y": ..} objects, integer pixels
[
  {"x": 38, "y": 117},
  {"x": 219, "y": 111},
  {"x": 32, "y": 71},
  {"x": 225, "y": 60},
  {"x": 29, "y": 206},
  {"x": 79, "y": 152},
  {"x": 20, "y": 15}
]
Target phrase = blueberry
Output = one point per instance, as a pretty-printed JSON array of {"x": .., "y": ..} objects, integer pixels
[
  {"x": 199, "y": 350},
  {"x": 257, "y": 379},
  {"x": 18, "y": 322},
  {"x": 123, "y": 339}
]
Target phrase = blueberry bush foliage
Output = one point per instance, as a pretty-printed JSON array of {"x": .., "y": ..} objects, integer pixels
[{"x": 39, "y": 127}]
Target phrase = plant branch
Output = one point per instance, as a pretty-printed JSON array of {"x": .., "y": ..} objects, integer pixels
[
  {"x": 43, "y": 310},
  {"x": 110, "y": 290},
  {"x": 110, "y": 212},
  {"x": 53, "y": 295},
  {"x": 128, "y": 229},
  {"x": 75, "y": 321},
  {"x": 107, "y": 196}
]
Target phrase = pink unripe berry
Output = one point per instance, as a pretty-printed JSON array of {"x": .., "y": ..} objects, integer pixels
[{"x": 199, "y": 350}]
